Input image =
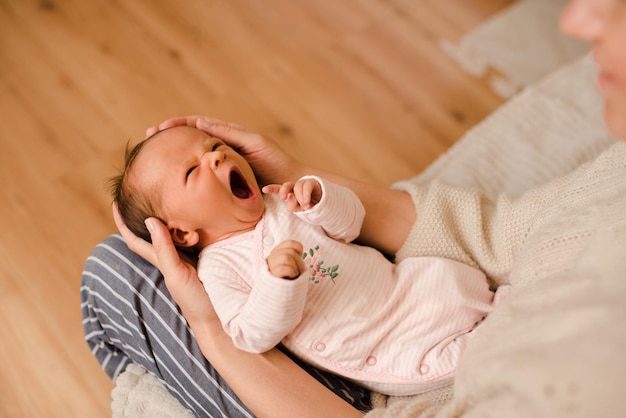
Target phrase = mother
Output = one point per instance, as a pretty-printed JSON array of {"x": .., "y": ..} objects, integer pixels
[{"x": 562, "y": 242}]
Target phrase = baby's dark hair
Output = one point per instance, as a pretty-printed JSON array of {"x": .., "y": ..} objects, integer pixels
[{"x": 133, "y": 204}]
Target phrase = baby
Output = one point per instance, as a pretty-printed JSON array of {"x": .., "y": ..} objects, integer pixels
[{"x": 279, "y": 266}]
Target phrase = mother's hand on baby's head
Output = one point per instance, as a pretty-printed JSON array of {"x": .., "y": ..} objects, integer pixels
[
  {"x": 136, "y": 244},
  {"x": 162, "y": 252},
  {"x": 178, "y": 269},
  {"x": 270, "y": 162}
]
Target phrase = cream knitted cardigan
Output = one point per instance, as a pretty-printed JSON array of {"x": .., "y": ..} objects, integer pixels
[
  {"x": 520, "y": 240},
  {"x": 557, "y": 346}
]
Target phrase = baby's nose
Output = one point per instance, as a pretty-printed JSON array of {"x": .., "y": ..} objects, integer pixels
[{"x": 214, "y": 158}]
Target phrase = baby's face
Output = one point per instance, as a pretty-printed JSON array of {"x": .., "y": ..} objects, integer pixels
[{"x": 200, "y": 183}]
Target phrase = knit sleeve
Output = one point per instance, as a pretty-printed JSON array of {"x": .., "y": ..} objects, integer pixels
[{"x": 464, "y": 225}]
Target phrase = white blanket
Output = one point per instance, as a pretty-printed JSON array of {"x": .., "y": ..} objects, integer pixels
[{"x": 522, "y": 43}]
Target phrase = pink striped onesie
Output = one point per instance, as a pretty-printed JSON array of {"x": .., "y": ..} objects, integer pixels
[{"x": 398, "y": 329}]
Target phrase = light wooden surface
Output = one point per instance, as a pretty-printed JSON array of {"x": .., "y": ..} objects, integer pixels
[{"x": 356, "y": 86}]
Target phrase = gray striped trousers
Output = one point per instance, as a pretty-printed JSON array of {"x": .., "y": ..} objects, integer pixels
[{"x": 129, "y": 317}]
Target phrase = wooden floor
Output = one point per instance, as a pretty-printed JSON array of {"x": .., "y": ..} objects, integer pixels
[{"x": 356, "y": 86}]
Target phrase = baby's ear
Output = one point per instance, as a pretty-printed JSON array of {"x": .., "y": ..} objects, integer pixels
[{"x": 183, "y": 238}]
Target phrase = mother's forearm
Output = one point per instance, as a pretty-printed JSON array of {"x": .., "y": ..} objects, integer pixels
[
  {"x": 390, "y": 215},
  {"x": 270, "y": 384}
]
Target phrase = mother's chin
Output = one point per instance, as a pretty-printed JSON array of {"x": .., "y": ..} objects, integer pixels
[{"x": 615, "y": 115}]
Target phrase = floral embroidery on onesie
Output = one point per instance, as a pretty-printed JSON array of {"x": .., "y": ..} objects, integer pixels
[{"x": 313, "y": 260}]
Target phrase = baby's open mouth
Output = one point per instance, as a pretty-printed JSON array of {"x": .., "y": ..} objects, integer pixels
[{"x": 239, "y": 186}]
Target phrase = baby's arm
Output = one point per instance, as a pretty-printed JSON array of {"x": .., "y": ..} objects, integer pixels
[
  {"x": 298, "y": 196},
  {"x": 256, "y": 316},
  {"x": 320, "y": 202}
]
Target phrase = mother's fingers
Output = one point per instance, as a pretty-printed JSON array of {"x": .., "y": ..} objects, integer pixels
[
  {"x": 233, "y": 134},
  {"x": 196, "y": 121},
  {"x": 176, "y": 121},
  {"x": 253, "y": 146},
  {"x": 135, "y": 243},
  {"x": 168, "y": 259},
  {"x": 214, "y": 121}
]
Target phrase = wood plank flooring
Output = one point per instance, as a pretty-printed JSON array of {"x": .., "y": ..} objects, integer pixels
[{"x": 355, "y": 86}]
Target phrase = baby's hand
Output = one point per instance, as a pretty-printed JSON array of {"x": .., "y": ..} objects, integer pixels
[
  {"x": 302, "y": 195},
  {"x": 285, "y": 260}
]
